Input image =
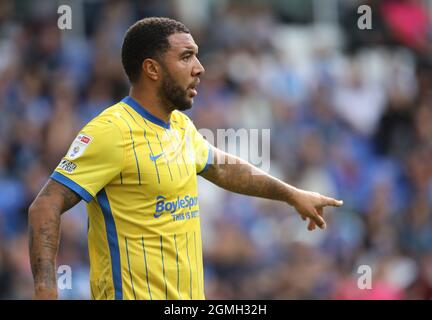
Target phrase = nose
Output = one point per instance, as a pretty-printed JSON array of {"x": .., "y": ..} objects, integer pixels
[{"x": 198, "y": 69}]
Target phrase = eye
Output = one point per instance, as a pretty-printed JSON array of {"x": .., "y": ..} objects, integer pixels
[{"x": 187, "y": 58}]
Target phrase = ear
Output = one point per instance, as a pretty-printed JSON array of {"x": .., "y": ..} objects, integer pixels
[{"x": 151, "y": 69}]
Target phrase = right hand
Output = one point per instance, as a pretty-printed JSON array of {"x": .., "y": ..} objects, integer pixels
[{"x": 310, "y": 206}]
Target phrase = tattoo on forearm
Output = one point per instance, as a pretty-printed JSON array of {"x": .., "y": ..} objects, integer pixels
[
  {"x": 48, "y": 233},
  {"x": 43, "y": 250},
  {"x": 30, "y": 235},
  {"x": 237, "y": 176}
]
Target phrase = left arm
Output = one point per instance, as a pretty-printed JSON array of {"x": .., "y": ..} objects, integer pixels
[{"x": 234, "y": 174}]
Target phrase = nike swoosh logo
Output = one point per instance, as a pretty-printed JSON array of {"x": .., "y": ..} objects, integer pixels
[{"x": 154, "y": 158}]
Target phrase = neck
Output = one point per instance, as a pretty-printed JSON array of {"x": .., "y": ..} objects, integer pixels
[{"x": 150, "y": 101}]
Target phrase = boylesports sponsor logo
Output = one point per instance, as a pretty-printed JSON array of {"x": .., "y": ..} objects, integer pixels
[{"x": 162, "y": 205}]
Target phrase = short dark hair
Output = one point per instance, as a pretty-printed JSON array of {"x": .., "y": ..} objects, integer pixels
[{"x": 147, "y": 38}]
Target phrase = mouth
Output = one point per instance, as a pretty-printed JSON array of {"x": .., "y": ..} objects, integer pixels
[
  {"x": 193, "y": 91},
  {"x": 193, "y": 88}
]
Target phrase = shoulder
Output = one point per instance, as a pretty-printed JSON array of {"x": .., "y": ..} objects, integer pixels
[
  {"x": 108, "y": 121},
  {"x": 106, "y": 126}
]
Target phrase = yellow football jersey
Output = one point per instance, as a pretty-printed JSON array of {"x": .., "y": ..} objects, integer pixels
[{"x": 138, "y": 176}]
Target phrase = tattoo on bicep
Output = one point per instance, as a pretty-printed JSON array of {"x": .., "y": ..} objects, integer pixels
[
  {"x": 69, "y": 197},
  {"x": 44, "y": 231}
]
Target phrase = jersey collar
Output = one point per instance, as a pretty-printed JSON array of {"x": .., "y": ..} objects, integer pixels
[{"x": 144, "y": 113}]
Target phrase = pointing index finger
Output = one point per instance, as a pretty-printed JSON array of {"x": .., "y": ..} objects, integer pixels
[{"x": 332, "y": 202}]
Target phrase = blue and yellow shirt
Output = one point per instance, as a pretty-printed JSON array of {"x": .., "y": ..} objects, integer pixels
[{"x": 138, "y": 176}]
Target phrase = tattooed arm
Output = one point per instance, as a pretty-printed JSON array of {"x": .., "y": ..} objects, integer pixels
[
  {"x": 44, "y": 235},
  {"x": 236, "y": 175}
]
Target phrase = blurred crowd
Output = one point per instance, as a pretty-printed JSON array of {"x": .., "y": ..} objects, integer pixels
[{"x": 350, "y": 114}]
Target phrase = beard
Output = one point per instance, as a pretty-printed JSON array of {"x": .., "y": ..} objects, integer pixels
[{"x": 173, "y": 94}]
